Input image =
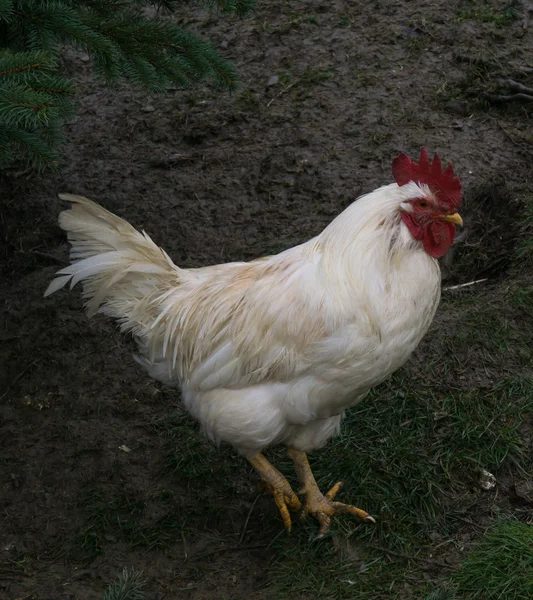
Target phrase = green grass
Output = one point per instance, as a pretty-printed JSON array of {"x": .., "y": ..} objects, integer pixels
[
  {"x": 499, "y": 16},
  {"x": 195, "y": 461},
  {"x": 412, "y": 459},
  {"x": 128, "y": 586},
  {"x": 444, "y": 593},
  {"x": 501, "y": 566},
  {"x": 315, "y": 75},
  {"x": 112, "y": 515}
]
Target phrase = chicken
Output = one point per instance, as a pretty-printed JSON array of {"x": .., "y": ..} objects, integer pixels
[{"x": 274, "y": 351}]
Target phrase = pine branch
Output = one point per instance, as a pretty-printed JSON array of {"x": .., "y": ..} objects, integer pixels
[
  {"x": 122, "y": 41},
  {"x": 52, "y": 84},
  {"x": 32, "y": 147},
  {"x": 18, "y": 62},
  {"x": 154, "y": 53},
  {"x": 6, "y": 8},
  {"x": 51, "y": 23},
  {"x": 30, "y": 108}
]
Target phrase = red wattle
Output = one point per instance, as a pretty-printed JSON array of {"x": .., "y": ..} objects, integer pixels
[{"x": 436, "y": 236}]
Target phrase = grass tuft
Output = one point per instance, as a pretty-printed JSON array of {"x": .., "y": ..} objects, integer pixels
[
  {"x": 128, "y": 586},
  {"x": 500, "y": 16},
  {"x": 501, "y": 566},
  {"x": 441, "y": 594}
]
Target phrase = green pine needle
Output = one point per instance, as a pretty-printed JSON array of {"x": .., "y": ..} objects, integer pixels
[
  {"x": 32, "y": 147},
  {"x": 6, "y": 9},
  {"x": 20, "y": 105},
  {"x": 123, "y": 43},
  {"x": 16, "y": 63}
]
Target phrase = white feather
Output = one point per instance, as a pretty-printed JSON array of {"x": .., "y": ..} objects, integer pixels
[{"x": 275, "y": 350}]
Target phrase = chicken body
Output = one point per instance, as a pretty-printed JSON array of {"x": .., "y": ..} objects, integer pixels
[
  {"x": 272, "y": 351},
  {"x": 293, "y": 340}
]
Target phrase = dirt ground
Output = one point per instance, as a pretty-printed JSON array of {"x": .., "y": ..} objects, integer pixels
[{"x": 331, "y": 92}]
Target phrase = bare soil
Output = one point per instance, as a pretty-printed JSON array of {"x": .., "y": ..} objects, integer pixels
[{"x": 212, "y": 178}]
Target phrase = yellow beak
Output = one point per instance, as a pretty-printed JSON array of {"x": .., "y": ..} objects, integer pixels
[{"x": 455, "y": 219}]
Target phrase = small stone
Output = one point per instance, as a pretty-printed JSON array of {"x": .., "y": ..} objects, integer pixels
[
  {"x": 148, "y": 108},
  {"x": 273, "y": 80},
  {"x": 486, "y": 480},
  {"x": 524, "y": 492}
]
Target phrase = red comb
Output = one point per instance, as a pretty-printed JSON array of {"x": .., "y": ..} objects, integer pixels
[{"x": 445, "y": 184}]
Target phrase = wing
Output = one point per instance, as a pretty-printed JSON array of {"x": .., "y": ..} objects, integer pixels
[{"x": 238, "y": 324}]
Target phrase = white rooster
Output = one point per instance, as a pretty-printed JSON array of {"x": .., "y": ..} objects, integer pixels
[{"x": 275, "y": 350}]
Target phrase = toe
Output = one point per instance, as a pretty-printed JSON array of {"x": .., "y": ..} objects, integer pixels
[
  {"x": 325, "y": 523},
  {"x": 279, "y": 498},
  {"x": 292, "y": 501},
  {"x": 341, "y": 508},
  {"x": 334, "y": 491}
]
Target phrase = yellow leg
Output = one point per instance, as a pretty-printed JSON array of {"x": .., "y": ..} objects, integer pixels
[
  {"x": 320, "y": 506},
  {"x": 278, "y": 486}
]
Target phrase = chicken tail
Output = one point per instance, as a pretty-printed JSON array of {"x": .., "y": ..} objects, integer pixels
[{"x": 121, "y": 269}]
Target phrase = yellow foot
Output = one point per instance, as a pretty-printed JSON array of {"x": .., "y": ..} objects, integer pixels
[
  {"x": 278, "y": 486},
  {"x": 321, "y": 506}
]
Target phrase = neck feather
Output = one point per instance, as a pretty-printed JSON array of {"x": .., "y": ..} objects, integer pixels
[{"x": 373, "y": 218}]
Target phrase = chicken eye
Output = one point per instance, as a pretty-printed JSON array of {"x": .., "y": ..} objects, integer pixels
[{"x": 422, "y": 203}]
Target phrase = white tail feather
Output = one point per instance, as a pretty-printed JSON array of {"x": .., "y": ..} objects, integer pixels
[{"x": 118, "y": 265}]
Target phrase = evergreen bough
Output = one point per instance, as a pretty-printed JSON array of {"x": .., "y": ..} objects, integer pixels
[{"x": 123, "y": 39}]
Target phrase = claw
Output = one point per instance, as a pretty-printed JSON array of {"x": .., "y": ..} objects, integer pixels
[
  {"x": 274, "y": 483},
  {"x": 325, "y": 523},
  {"x": 328, "y": 509},
  {"x": 340, "y": 508},
  {"x": 281, "y": 503},
  {"x": 322, "y": 506},
  {"x": 285, "y": 499}
]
